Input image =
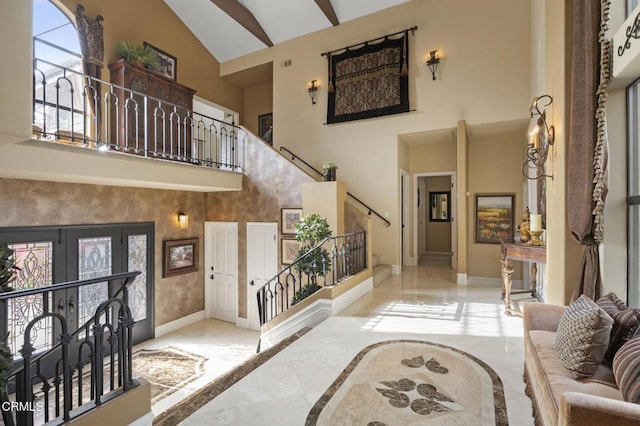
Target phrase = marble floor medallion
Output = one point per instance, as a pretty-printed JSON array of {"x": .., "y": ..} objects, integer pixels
[{"x": 412, "y": 382}]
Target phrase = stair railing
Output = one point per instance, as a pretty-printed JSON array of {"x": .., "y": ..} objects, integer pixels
[
  {"x": 370, "y": 211},
  {"x": 329, "y": 263},
  {"x": 48, "y": 386}
]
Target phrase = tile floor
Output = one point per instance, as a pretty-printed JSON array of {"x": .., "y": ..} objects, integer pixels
[{"x": 423, "y": 303}]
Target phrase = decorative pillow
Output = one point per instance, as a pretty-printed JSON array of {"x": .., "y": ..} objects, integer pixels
[
  {"x": 625, "y": 322},
  {"x": 583, "y": 336},
  {"x": 626, "y": 370}
]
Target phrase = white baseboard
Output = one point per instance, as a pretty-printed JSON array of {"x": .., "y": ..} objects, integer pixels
[
  {"x": 167, "y": 328},
  {"x": 396, "y": 269},
  {"x": 412, "y": 261},
  {"x": 461, "y": 279},
  {"x": 145, "y": 420},
  {"x": 243, "y": 323}
]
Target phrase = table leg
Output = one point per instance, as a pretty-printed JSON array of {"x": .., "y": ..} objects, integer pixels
[
  {"x": 534, "y": 274},
  {"x": 507, "y": 271}
]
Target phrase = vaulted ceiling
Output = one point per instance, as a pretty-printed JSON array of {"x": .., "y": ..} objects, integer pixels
[{"x": 233, "y": 28}]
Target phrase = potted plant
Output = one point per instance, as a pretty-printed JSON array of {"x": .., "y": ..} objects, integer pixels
[
  {"x": 329, "y": 171},
  {"x": 310, "y": 231},
  {"x": 138, "y": 54}
]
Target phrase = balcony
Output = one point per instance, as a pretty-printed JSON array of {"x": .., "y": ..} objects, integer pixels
[{"x": 86, "y": 130}]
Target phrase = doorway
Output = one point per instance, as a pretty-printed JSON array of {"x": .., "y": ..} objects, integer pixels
[
  {"x": 435, "y": 236},
  {"x": 221, "y": 270},
  {"x": 262, "y": 264}
]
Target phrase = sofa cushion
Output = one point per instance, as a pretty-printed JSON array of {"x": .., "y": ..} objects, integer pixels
[
  {"x": 626, "y": 369},
  {"x": 583, "y": 336},
  {"x": 550, "y": 379},
  {"x": 625, "y": 322}
]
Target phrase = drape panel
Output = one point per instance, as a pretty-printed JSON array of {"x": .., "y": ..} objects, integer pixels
[{"x": 587, "y": 137}]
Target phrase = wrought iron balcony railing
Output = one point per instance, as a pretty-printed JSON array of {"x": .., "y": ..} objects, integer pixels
[
  {"x": 73, "y": 108},
  {"x": 329, "y": 263},
  {"x": 88, "y": 365}
]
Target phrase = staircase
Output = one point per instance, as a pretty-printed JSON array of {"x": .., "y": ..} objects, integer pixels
[{"x": 380, "y": 271}]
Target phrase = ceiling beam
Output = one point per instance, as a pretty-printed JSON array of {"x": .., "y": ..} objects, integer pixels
[
  {"x": 244, "y": 17},
  {"x": 326, "y": 8}
]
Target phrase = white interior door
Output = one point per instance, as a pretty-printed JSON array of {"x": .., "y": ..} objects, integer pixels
[
  {"x": 262, "y": 263},
  {"x": 221, "y": 270}
]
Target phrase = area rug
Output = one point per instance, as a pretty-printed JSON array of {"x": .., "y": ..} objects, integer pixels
[
  {"x": 412, "y": 382},
  {"x": 167, "y": 370}
]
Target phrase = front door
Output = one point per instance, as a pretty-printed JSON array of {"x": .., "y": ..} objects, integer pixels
[
  {"x": 262, "y": 263},
  {"x": 48, "y": 255},
  {"x": 221, "y": 270}
]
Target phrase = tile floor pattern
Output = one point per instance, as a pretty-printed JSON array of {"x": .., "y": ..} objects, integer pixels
[{"x": 423, "y": 303}]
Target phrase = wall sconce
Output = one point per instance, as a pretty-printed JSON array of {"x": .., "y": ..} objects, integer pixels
[
  {"x": 183, "y": 220},
  {"x": 313, "y": 89},
  {"x": 433, "y": 62},
  {"x": 541, "y": 137}
]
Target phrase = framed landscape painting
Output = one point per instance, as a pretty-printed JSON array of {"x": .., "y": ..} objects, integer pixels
[
  {"x": 494, "y": 217},
  {"x": 179, "y": 257}
]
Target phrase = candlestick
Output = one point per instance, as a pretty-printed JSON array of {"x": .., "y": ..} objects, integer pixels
[{"x": 536, "y": 222}]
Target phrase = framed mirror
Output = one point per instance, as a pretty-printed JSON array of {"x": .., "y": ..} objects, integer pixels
[{"x": 439, "y": 206}]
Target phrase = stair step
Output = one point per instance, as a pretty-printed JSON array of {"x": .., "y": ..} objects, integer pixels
[
  {"x": 375, "y": 260},
  {"x": 381, "y": 273}
]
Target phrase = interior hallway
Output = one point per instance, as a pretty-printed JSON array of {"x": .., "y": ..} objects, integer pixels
[{"x": 423, "y": 303}]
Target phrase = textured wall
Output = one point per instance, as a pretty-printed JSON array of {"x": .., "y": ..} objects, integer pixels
[
  {"x": 34, "y": 203},
  {"x": 270, "y": 183}
]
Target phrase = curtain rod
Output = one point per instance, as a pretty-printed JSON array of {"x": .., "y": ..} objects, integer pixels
[{"x": 412, "y": 29}]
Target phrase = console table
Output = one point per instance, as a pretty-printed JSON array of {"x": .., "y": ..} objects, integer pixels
[{"x": 515, "y": 250}]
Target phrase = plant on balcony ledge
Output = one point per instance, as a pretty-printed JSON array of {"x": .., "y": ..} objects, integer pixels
[
  {"x": 310, "y": 231},
  {"x": 138, "y": 54},
  {"x": 329, "y": 171}
]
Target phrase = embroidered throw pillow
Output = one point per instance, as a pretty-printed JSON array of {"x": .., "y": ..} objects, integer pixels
[
  {"x": 583, "y": 336},
  {"x": 625, "y": 322},
  {"x": 626, "y": 370}
]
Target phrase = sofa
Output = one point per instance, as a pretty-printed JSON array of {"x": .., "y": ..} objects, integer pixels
[{"x": 560, "y": 396}]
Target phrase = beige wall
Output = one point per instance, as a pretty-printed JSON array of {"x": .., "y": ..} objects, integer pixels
[
  {"x": 467, "y": 89},
  {"x": 29, "y": 203},
  {"x": 154, "y": 22},
  {"x": 258, "y": 100},
  {"x": 488, "y": 175},
  {"x": 270, "y": 183}
]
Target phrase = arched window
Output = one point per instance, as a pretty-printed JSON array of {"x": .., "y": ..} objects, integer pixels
[{"x": 57, "y": 70}]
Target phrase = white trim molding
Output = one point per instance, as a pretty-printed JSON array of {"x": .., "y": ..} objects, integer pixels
[
  {"x": 461, "y": 279},
  {"x": 396, "y": 269},
  {"x": 167, "y": 328}
]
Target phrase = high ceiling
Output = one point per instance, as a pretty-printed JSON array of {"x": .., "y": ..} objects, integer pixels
[{"x": 233, "y": 28}]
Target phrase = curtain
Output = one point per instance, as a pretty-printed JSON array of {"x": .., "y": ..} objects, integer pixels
[
  {"x": 90, "y": 36},
  {"x": 587, "y": 150}
]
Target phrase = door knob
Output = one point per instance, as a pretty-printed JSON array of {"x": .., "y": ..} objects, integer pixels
[
  {"x": 71, "y": 304},
  {"x": 211, "y": 276},
  {"x": 252, "y": 283},
  {"x": 60, "y": 305}
]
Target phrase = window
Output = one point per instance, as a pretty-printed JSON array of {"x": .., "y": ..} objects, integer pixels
[{"x": 633, "y": 193}]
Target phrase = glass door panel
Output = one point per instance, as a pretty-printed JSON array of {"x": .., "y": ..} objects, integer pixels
[
  {"x": 95, "y": 260},
  {"x": 137, "y": 260}
]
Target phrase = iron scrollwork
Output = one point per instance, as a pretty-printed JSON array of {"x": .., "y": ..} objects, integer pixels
[{"x": 633, "y": 31}]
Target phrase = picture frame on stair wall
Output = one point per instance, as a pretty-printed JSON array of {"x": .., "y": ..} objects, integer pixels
[
  {"x": 289, "y": 250},
  {"x": 265, "y": 127},
  {"x": 289, "y": 218}
]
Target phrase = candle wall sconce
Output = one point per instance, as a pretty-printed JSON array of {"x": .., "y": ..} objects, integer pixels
[{"x": 541, "y": 138}]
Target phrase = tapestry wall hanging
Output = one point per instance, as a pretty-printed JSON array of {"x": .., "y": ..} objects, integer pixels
[{"x": 369, "y": 81}]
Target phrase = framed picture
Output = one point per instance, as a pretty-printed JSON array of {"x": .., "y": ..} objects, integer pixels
[
  {"x": 265, "y": 127},
  {"x": 290, "y": 217},
  {"x": 494, "y": 217},
  {"x": 179, "y": 257},
  {"x": 290, "y": 249},
  {"x": 168, "y": 63}
]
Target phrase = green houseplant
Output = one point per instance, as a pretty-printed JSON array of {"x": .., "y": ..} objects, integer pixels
[
  {"x": 329, "y": 171},
  {"x": 310, "y": 231},
  {"x": 136, "y": 53}
]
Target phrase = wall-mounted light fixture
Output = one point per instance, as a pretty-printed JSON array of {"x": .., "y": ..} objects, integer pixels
[
  {"x": 313, "y": 89},
  {"x": 541, "y": 137},
  {"x": 183, "y": 220},
  {"x": 433, "y": 62}
]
